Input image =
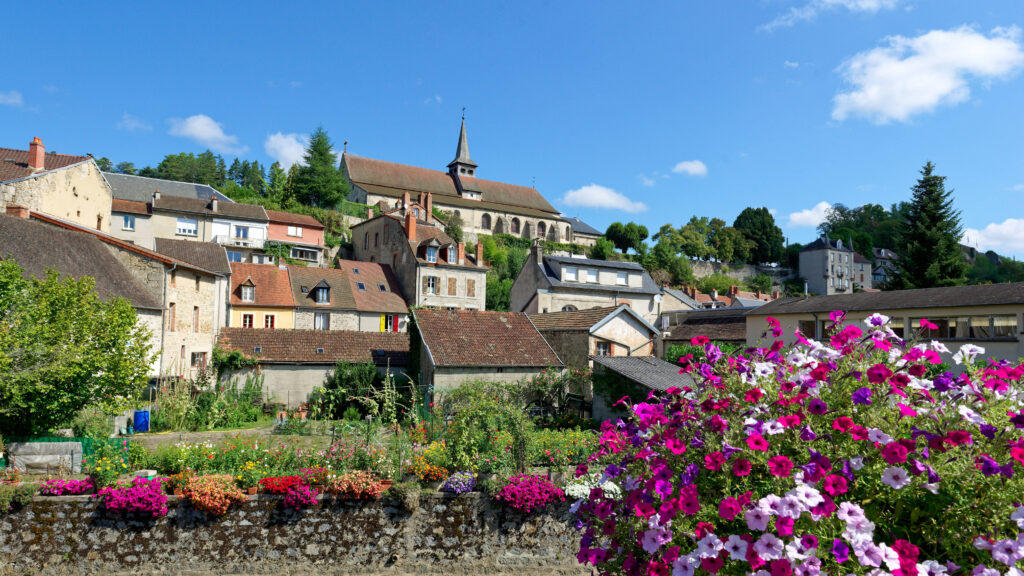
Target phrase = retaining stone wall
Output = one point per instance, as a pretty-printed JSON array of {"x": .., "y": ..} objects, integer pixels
[{"x": 468, "y": 534}]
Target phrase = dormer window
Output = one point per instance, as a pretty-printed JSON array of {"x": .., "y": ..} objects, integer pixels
[
  {"x": 431, "y": 254},
  {"x": 322, "y": 295},
  {"x": 451, "y": 254},
  {"x": 248, "y": 293}
]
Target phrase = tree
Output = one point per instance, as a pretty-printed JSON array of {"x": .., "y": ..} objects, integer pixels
[
  {"x": 728, "y": 243},
  {"x": 61, "y": 347},
  {"x": 930, "y": 241},
  {"x": 235, "y": 172},
  {"x": 626, "y": 236},
  {"x": 762, "y": 282},
  {"x": 320, "y": 182},
  {"x": 758, "y": 226},
  {"x": 693, "y": 238},
  {"x": 616, "y": 234},
  {"x": 125, "y": 168},
  {"x": 277, "y": 178},
  {"x": 453, "y": 226},
  {"x": 603, "y": 249},
  {"x": 104, "y": 164},
  {"x": 719, "y": 282}
]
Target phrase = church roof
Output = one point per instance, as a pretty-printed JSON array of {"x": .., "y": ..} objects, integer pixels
[{"x": 462, "y": 151}]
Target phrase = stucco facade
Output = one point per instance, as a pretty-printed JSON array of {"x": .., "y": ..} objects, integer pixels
[
  {"x": 291, "y": 384},
  {"x": 137, "y": 229},
  {"x": 76, "y": 193},
  {"x": 284, "y": 318}
]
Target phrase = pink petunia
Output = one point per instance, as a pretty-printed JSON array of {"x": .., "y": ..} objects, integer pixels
[{"x": 757, "y": 442}]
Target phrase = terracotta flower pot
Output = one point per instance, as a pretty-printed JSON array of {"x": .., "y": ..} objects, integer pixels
[
  {"x": 252, "y": 490},
  {"x": 385, "y": 484}
]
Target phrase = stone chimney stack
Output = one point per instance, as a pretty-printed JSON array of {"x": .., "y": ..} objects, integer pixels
[
  {"x": 460, "y": 257},
  {"x": 410, "y": 226},
  {"x": 479, "y": 253},
  {"x": 538, "y": 252},
  {"x": 369, "y": 212},
  {"x": 17, "y": 211},
  {"x": 36, "y": 155},
  {"x": 775, "y": 295},
  {"x": 429, "y": 207},
  {"x": 733, "y": 290}
]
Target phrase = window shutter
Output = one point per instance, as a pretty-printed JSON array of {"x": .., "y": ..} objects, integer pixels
[
  {"x": 394, "y": 322},
  {"x": 611, "y": 349},
  {"x": 383, "y": 323},
  {"x": 451, "y": 286},
  {"x": 470, "y": 287},
  {"x": 425, "y": 284}
]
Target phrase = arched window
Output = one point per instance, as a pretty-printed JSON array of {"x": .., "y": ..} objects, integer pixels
[
  {"x": 366, "y": 240},
  {"x": 568, "y": 234},
  {"x": 541, "y": 229},
  {"x": 515, "y": 226},
  {"x": 485, "y": 221},
  {"x": 568, "y": 308}
]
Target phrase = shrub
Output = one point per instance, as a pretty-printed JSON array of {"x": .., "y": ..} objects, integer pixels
[
  {"x": 213, "y": 494},
  {"x": 92, "y": 423},
  {"x": 251, "y": 473},
  {"x": 14, "y": 496},
  {"x": 105, "y": 470},
  {"x": 408, "y": 493},
  {"x": 423, "y": 466},
  {"x": 828, "y": 458},
  {"x": 62, "y": 487},
  {"x": 139, "y": 495},
  {"x": 526, "y": 492},
  {"x": 459, "y": 483}
]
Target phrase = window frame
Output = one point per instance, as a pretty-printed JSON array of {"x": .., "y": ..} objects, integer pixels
[
  {"x": 269, "y": 321},
  {"x": 622, "y": 278},
  {"x": 602, "y": 348},
  {"x": 184, "y": 231},
  {"x": 251, "y": 291},
  {"x": 248, "y": 320},
  {"x": 322, "y": 295},
  {"x": 431, "y": 254},
  {"x": 570, "y": 274},
  {"x": 295, "y": 231},
  {"x": 321, "y": 321},
  {"x": 128, "y": 222}
]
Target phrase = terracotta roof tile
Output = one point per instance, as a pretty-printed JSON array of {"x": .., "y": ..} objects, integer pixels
[
  {"x": 206, "y": 255},
  {"x": 301, "y": 346},
  {"x": 339, "y": 293},
  {"x": 14, "y": 163},
  {"x": 129, "y": 207},
  {"x": 272, "y": 285},
  {"x": 297, "y": 219},
  {"x": 373, "y": 276},
  {"x": 575, "y": 320},
  {"x": 475, "y": 338}
]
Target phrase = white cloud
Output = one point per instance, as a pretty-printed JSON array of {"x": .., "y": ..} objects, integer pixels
[
  {"x": 287, "y": 149},
  {"x": 1004, "y": 237},
  {"x": 691, "y": 167},
  {"x": 914, "y": 75},
  {"x": 791, "y": 64},
  {"x": 646, "y": 181},
  {"x": 12, "y": 98},
  {"x": 810, "y": 11},
  {"x": 131, "y": 123},
  {"x": 435, "y": 99},
  {"x": 596, "y": 196},
  {"x": 810, "y": 217},
  {"x": 1017, "y": 187},
  {"x": 206, "y": 131}
]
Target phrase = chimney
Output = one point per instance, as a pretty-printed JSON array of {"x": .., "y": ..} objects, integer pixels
[
  {"x": 733, "y": 290},
  {"x": 429, "y": 207},
  {"x": 538, "y": 251},
  {"x": 775, "y": 295},
  {"x": 36, "y": 155},
  {"x": 17, "y": 211},
  {"x": 479, "y": 253},
  {"x": 156, "y": 194},
  {"x": 405, "y": 199},
  {"x": 369, "y": 212},
  {"x": 213, "y": 204},
  {"x": 714, "y": 294},
  {"x": 460, "y": 257},
  {"x": 757, "y": 294},
  {"x": 410, "y": 226}
]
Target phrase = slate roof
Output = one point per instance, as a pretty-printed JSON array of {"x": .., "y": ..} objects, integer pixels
[
  {"x": 141, "y": 188},
  {"x": 825, "y": 242},
  {"x": 38, "y": 247},
  {"x": 372, "y": 275},
  {"x": 206, "y": 255},
  {"x": 581, "y": 227},
  {"x": 340, "y": 292},
  {"x": 272, "y": 285},
  {"x": 129, "y": 207},
  {"x": 949, "y": 297},
  {"x": 392, "y": 180},
  {"x": 477, "y": 338},
  {"x": 295, "y": 219},
  {"x": 728, "y": 330},
  {"x": 860, "y": 259},
  {"x": 648, "y": 285},
  {"x": 648, "y": 371},
  {"x": 205, "y": 207},
  {"x": 300, "y": 346},
  {"x": 14, "y": 163},
  {"x": 682, "y": 297}
]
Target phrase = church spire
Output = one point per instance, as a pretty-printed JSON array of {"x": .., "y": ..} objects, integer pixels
[{"x": 463, "y": 164}]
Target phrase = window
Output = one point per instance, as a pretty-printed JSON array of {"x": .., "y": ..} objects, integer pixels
[
  {"x": 361, "y": 286},
  {"x": 394, "y": 260},
  {"x": 832, "y": 256},
  {"x": 321, "y": 321},
  {"x": 366, "y": 240},
  {"x": 471, "y": 288},
  {"x": 199, "y": 360},
  {"x": 541, "y": 229},
  {"x": 416, "y": 212},
  {"x": 197, "y": 282},
  {"x": 268, "y": 320},
  {"x": 621, "y": 278},
  {"x": 295, "y": 231},
  {"x": 195, "y": 318},
  {"x": 806, "y": 328},
  {"x": 262, "y": 259},
  {"x": 1004, "y": 326},
  {"x": 234, "y": 256},
  {"x": 242, "y": 232},
  {"x": 485, "y": 221},
  {"x": 376, "y": 239},
  {"x": 355, "y": 271},
  {"x": 303, "y": 254},
  {"x": 171, "y": 316},
  {"x": 246, "y": 320},
  {"x": 451, "y": 255},
  {"x": 568, "y": 308},
  {"x": 430, "y": 284},
  {"x": 248, "y": 293},
  {"x": 322, "y": 295},
  {"x": 388, "y": 323},
  {"x": 188, "y": 227},
  {"x": 382, "y": 287},
  {"x": 431, "y": 254},
  {"x": 451, "y": 287},
  {"x": 515, "y": 226},
  {"x": 603, "y": 349},
  {"x": 128, "y": 223},
  {"x": 570, "y": 274},
  {"x": 592, "y": 275}
]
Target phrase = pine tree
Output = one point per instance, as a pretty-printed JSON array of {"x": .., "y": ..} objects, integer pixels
[
  {"x": 222, "y": 171},
  {"x": 930, "y": 237},
  {"x": 277, "y": 178},
  {"x": 320, "y": 182},
  {"x": 235, "y": 172}
]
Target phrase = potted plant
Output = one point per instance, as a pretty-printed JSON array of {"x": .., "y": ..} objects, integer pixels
[
  {"x": 250, "y": 475},
  {"x": 176, "y": 483},
  {"x": 213, "y": 494}
]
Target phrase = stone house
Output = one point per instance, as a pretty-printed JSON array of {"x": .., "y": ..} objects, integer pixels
[
  {"x": 363, "y": 296},
  {"x": 579, "y": 335},
  {"x": 68, "y": 187},
  {"x": 188, "y": 294},
  {"x": 132, "y": 222},
  {"x": 884, "y": 266},
  {"x": 434, "y": 271},
  {"x": 990, "y": 316},
  {"x": 689, "y": 298},
  {"x": 295, "y": 362},
  {"x": 565, "y": 283},
  {"x": 208, "y": 256},
  {"x": 302, "y": 235},
  {"x": 261, "y": 297},
  {"x": 458, "y": 346},
  {"x": 828, "y": 265},
  {"x": 485, "y": 206},
  {"x": 240, "y": 228},
  {"x": 863, "y": 278}
]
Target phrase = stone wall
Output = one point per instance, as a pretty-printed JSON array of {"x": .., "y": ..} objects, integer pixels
[
  {"x": 468, "y": 534},
  {"x": 77, "y": 193},
  {"x": 741, "y": 272}
]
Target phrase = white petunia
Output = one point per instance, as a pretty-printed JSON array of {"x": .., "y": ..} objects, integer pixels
[
  {"x": 895, "y": 477},
  {"x": 876, "y": 320},
  {"x": 1018, "y": 517},
  {"x": 876, "y": 435},
  {"x": 737, "y": 548},
  {"x": 709, "y": 546},
  {"x": 939, "y": 347},
  {"x": 967, "y": 354},
  {"x": 768, "y": 547}
]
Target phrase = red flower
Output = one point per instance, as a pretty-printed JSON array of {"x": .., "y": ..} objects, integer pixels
[
  {"x": 843, "y": 423},
  {"x": 742, "y": 467},
  {"x": 894, "y": 453}
]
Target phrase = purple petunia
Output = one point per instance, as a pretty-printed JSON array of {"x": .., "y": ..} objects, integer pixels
[
  {"x": 862, "y": 396},
  {"x": 840, "y": 550}
]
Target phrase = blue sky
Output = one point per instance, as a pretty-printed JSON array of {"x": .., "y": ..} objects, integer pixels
[{"x": 615, "y": 112}]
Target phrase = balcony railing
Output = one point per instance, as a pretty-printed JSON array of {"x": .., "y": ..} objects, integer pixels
[{"x": 256, "y": 243}]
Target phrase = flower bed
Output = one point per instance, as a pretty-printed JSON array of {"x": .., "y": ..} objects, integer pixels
[
  {"x": 459, "y": 483},
  {"x": 139, "y": 495},
  {"x": 299, "y": 496},
  {"x": 62, "y": 487},
  {"x": 859, "y": 455},
  {"x": 356, "y": 485},
  {"x": 526, "y": 492},
  {"x": 213, "y": 494},
  {"x": 280, "y": 484}
]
